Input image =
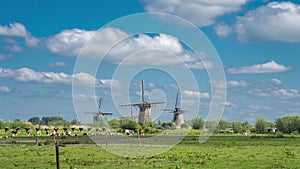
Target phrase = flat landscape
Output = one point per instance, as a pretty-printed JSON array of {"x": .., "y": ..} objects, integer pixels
[{"x": 220, "y": 151}]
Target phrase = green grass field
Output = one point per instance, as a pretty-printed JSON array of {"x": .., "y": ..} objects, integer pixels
[{"x": 220, "y": 151}]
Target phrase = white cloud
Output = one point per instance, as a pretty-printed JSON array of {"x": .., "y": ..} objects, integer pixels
[
  {"x": 154, "y": 48},
  {"x": 276, "y": 81},
  {"x": 276, "y": 21},
  {"x": 19, "y": 30},
  {"x": 4, "y": 89},
  {"x": 29, "y": 75},
  {"x": 230, "y": 104},
  {"x": 109, "y": 83},
  {"x": 259, "y": 107},
  {"x": 269, "y": 67},
  {"x": 57, "y": 64},
  {"x": 286, "y": 93},
  {"x": 223, "y": 30},
  {"x": 195, "y": 94},
  {"x": 201, "y": 65},
  {"x": 68, "y": 42},
  {"x": 200, "y": 12},
  {"x": 233, "y": 83},
  {"x": 15, "y": 48},
  {"x": 280, "y": 93},
  {"x": 83, "y": 97},
  {"x": 220, "y": 85},
  {"x": 14, "y": 29}
]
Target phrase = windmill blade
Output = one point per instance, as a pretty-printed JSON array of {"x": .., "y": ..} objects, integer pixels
[
  {"x": 143, "y": 96},
  {"x": 106, "y": 114},
  {"x": 156, "y": 102},
  {"x": 176, "y": 102},
  {"x": 168, "y": 110},
  {"x": 133, "y": 104},
  {"x": 90, "y": 112},
  {"x": 100, "y": 100}
]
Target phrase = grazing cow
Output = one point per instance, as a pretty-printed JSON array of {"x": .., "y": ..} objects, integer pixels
[
  {"x": 68, "y": 133},
  {"x": 6, "y": 129},
  {"x": 56, "y": 129},
  {"x": 47, "y": 131},
  {"x": 54, "y": 133},
  {"x": 38, "y": 131},
  {"x": 80, "y": 129},
  {"x": 244, "y": 133},
  {"x": 128, "y": 132},
  {"x": 29, "y": 133},
  {"x": 141, "y": 132},
  {"x": 73, "y": 128},
  {"x": 14, "y": 133},
  {"x": 27, "y": 129}
]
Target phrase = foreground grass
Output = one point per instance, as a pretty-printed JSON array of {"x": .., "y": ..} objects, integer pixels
[{"x": 218, "y": 152}]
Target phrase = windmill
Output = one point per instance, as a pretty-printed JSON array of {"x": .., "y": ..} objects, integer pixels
[
  {"x": 99, "y": 115},
  {"x": 145, "y": 107},
  {"x": 178, "y": 113}
]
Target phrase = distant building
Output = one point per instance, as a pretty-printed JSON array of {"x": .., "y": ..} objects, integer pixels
[{"x": 271, "y": 130}]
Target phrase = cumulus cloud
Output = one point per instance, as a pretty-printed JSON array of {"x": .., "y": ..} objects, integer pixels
[
  {"x": 233, "y": 83},
  {"x": 286, "y": 93},
  {"x": 4, "y": 89},
  {"x": 153, "y": 47},
  {"x": 269, "y": 67},
  {"x": 15, "y": 48},
  {"x": 276, "y": 81},
  {"x": 29, "y": 75},
  {"x": 68, "y": 42},
  {"x": 201, "y": 65},
  {"x": 200, "y": 12},
  {"x": 281, "y": 93},
  {"x": 223, "y": 30},
  {"x": 19, "y": 30},
  {"x": 195, "y": 94},
  {"x": 26, "y": 74},
  {"x": 259, "y": 107},
  {"x": 276, "y": 21}
]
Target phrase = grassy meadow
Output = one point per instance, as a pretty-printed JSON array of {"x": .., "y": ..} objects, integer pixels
[{"x": 220, "y": 151}]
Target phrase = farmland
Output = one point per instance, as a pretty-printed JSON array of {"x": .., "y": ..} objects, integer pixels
[{"x": 220, "y": 151}]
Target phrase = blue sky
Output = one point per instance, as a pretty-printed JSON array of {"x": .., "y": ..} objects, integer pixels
[{"x": 257, "y": 42}]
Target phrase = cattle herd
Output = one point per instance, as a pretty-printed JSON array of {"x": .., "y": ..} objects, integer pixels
[{"x": 73, "y": 131}]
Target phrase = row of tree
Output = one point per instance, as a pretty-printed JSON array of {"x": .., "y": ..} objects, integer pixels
[
  {"x": 53, "y": 120},
  {"x": 286, "y": 124}
]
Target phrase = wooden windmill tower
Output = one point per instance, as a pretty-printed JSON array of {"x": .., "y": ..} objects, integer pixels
[
  {"x": 178, "y": 113},
  {"x": 99, "y": 115},
  {"x": 145, "y": 107}
]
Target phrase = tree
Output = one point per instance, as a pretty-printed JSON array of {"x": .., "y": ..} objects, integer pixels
[
  {"x": 197, "y": 123},
  {"x": 34, "y": 120},
  {"x": 128, "y": 123},
  {"x": 74, "y": 122},
  {"x": 261, "y": 124},
  {"x": 237, "y": 127},
  {"x": 2, "y": 124},
  {"x": 223, "y": 125},
  {"x": 114, "y": 123},
  {"x": 52, "y": 119},
  {"x": 288, "y": 124},
  {"x": 169, "y": 125},
  {"x": 185, "y": 126}
]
